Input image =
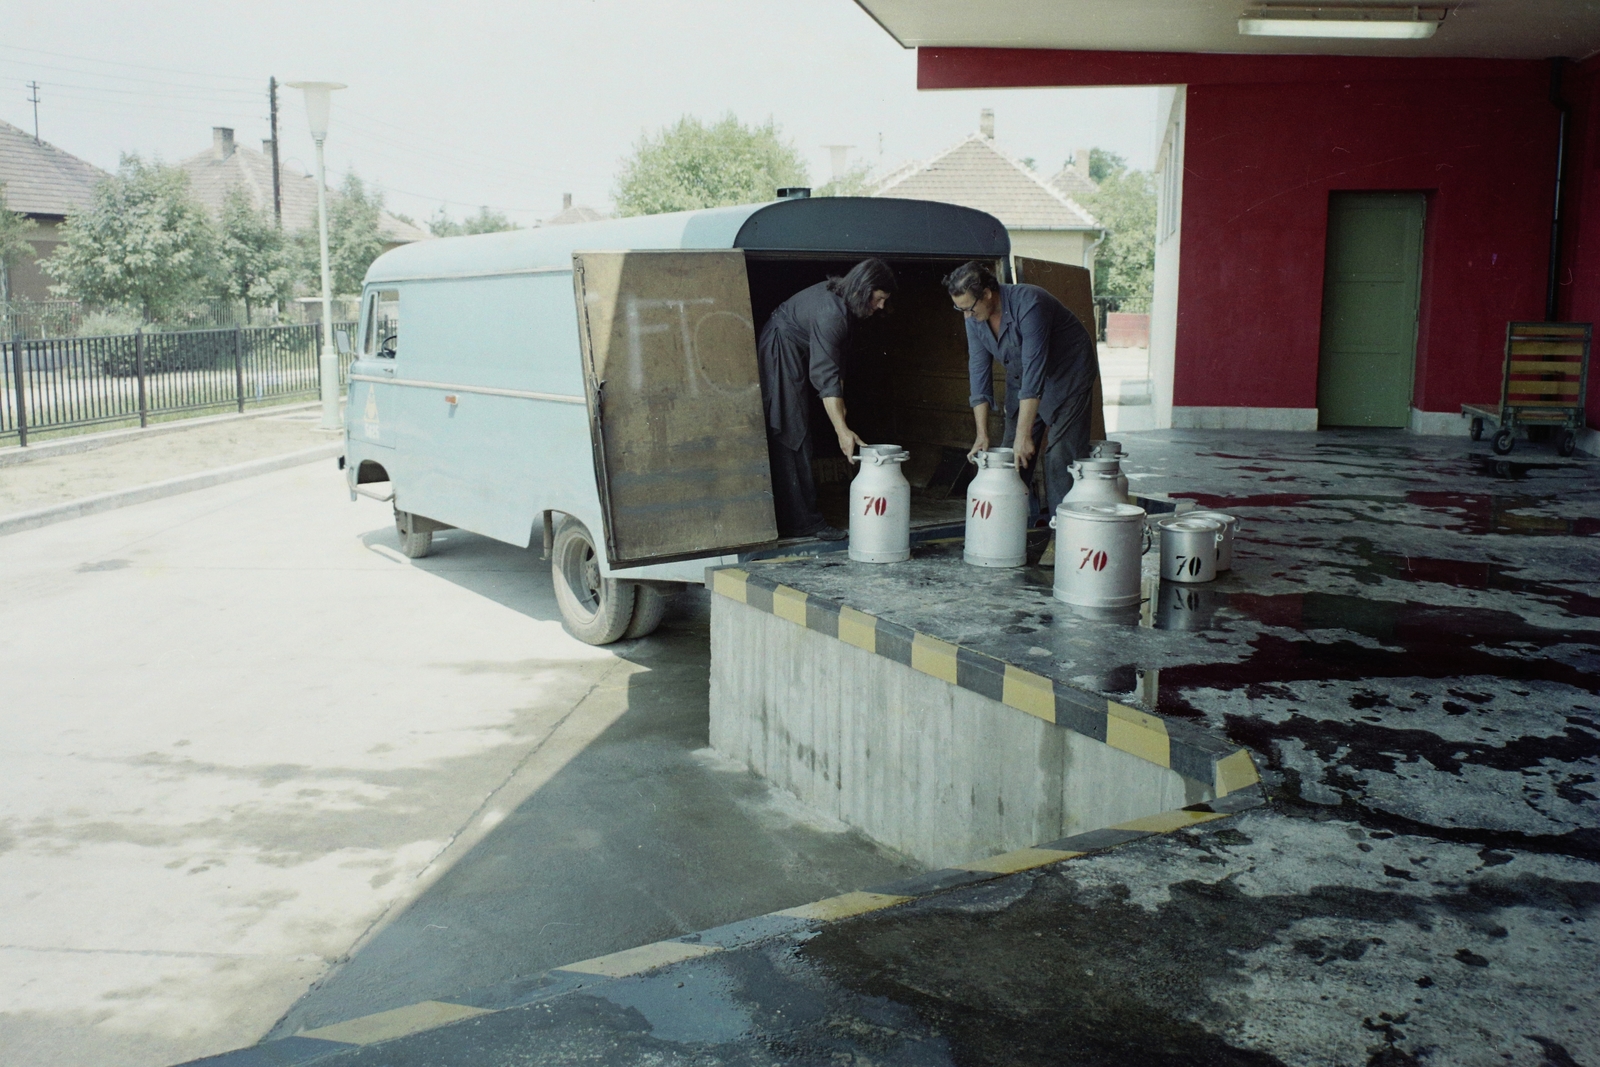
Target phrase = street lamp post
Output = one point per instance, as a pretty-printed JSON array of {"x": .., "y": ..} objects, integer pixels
[{"x": 318, "y": 102}]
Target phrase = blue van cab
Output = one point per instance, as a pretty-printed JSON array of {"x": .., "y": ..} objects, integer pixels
[{"x": 594, "y": 386}]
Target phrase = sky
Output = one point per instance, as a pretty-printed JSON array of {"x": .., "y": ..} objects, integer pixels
[{"x": 510, "y": 105}]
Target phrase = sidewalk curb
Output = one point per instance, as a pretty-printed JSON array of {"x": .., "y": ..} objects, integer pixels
[
  {"x": 121, "y": 498},
  {"x": 311, "y": 1045},
  {"x": 65, "y": 446}
]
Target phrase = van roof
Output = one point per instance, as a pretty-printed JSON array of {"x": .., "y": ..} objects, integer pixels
[{"x": 843, "y": 226}]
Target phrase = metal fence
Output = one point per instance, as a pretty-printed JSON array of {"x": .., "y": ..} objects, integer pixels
[{"x": 58, "y": 383}]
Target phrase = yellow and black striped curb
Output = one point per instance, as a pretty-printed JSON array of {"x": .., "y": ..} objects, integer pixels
[
  {"x": 1189, "y": 750},
  {"x": 309, "y": 1046}
]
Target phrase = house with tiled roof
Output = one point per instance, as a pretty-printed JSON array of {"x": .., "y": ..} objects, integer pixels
[
  {"x": 1073, "y": 179},
  {"x": 45, "y": 184},
  {"x": 572, "y": 213},
  {"x": 1043, "y": 221},
  {"x": 228, "y": 165}
]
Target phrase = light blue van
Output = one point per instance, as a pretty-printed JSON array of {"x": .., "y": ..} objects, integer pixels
[{"x": 594, "y": 387}]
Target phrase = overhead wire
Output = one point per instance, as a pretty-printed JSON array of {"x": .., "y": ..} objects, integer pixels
[{"x": 131, "y": 66}]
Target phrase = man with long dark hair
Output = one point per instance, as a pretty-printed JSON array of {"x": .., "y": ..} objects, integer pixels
[
  {"x": 802, "y": 353},
  {"x": 1051, "y": 366}
]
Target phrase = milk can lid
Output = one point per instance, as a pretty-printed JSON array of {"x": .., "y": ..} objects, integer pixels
[
  {"x": 1191, "y": 521},
  {"x": 1102, "y": 512}
]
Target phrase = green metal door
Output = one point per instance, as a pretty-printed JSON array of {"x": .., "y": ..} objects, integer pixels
[{"x": 1369, "y": 309}]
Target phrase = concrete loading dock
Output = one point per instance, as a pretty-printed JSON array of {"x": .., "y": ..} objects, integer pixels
[{"x": 953, "y": 712}]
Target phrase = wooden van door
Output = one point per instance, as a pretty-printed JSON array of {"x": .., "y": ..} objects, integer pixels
[
  {"x": 680, "y": 440},
  {"x": 1074, "y": 287}
]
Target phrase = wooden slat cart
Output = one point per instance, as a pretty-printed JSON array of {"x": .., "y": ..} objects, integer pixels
[{"x": 1545, "y": 379}]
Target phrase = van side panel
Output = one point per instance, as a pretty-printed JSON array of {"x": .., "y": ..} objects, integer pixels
[{"x": 474, "y": 450}]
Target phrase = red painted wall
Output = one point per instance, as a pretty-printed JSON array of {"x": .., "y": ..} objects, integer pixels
[
  {"x": 1269, "y": 137},
  {"x": 1579, "y": 295}
]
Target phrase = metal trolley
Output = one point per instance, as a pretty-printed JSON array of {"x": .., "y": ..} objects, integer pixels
[{"x": 1544, "y": 382}]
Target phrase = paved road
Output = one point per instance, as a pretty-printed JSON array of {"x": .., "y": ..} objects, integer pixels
[{"x": 249, "y": 747}]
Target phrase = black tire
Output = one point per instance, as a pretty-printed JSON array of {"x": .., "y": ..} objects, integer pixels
[
  {"x": 1569, "y": 443},
  {"x": 649, "y": 605},
  {"x": 1503, "y": 442},
  {"x": 1477, "y": 429},
  {"x": 414, "y": 543},
  {"x": 595, "y": 609}
]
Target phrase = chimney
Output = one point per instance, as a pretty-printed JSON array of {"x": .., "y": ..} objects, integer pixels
[
  {"x": 221, "y": 142},
  {"x": 266, "y": 146},
  {"x": 986, "y": 123},
  {"x": 566, "y": 201},
  {"x": 1080, "y": 162}
]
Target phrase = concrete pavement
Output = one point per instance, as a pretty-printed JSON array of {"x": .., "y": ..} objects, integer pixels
[{"x": 243, "y": 734}]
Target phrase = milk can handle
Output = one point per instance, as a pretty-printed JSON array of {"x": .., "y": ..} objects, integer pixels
[{"x": 1149, "y": 540}]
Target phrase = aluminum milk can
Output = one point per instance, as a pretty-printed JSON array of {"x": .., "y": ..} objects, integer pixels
[
  {"x": 1189, "y": 548},
  {"x": 1230, "y": 530},
  {"x": 880, "y": 506},
  {"x": 997, "y": 512},
  {"x": 1113, "y": 450},
  {"x": 1094, "y": 481},
  {"x": 1098, "y": 548}
]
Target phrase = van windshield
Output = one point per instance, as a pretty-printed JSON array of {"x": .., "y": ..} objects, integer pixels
[{"x": 382, "y": 338}]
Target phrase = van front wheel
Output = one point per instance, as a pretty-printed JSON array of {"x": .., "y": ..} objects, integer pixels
[{"x": 596, "y": 609}]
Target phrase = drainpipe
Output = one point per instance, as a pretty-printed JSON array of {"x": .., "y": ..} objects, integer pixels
[{"x": 1565, "y": 111}]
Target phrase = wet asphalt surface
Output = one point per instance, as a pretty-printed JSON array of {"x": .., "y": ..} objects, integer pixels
[{"x": 1410, "y": 647}]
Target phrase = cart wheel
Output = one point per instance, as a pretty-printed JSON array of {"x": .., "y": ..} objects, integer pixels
[
  {"x": 1503, "y": 442},
  {"x": 1477, "y": 429},
  {"x": 1569, "y": 443}
]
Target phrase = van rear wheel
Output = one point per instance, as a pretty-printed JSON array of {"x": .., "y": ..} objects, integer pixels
[
  {"x": 596, "y": 609},
  {"x": 649, "y": 605}
]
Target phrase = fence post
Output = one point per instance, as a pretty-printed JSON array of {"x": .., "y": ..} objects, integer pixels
[
  {"x": 238, "y": 365},
  {"x": 22, "y": 395},
  {"x": 138, "y": 367}
]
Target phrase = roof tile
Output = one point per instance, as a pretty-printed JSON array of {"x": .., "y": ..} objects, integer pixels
[{"x": 978, "y": 175}]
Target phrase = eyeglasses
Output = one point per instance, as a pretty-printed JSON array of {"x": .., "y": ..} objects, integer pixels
[{"x": 968, "y": 311}]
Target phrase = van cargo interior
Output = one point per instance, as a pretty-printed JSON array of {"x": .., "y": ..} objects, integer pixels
[{"x": 905, "y": 382}]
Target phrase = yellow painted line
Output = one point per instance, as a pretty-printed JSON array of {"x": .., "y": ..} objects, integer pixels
[
  {"x": 1029, "y": 692},
  {"x": 1168, "y": 821},
  {"x": 729, "y": 583},
  {"x": 933, "y": 656},
  {"x": 1138, "y": 734},
  {"x": 388, "y": 1025},
  {"x": 859, "y": 629},
  {"x": 1234, "y": 772},
  {"x": 644, "y": 958},
  {"x": 789, "y": 604},
  {"x": 844, "y": 906},
  {"x": 1021, "y": 860}
]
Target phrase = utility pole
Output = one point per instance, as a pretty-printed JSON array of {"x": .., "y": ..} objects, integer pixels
[
  {"x": 35, "y": 100},
  {"x": 277, "y": 179}
]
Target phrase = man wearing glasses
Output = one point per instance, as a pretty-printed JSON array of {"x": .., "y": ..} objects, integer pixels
[{"x": 1051, "y": 367}]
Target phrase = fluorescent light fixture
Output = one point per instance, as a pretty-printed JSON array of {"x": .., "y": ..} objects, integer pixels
[{"x": 1394, "y": 23}]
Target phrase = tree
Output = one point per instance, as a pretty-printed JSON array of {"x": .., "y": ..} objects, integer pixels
[
  {"x": 14, "y": 245},
  {"x": 1103, "y": 163},
  {"x": 355, "y": 238},
  {"x": 144, "y": 243},
  {"x": 485, "y": 221},
  {"x": 1125, "y": 263},
  {"x": 254, "y": 262},
  {"x": 690, "y": 165},
  {"x": 856, "y": 181}
]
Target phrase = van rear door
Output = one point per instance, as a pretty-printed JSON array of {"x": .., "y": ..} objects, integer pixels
[
  {"x": 680, "y": 442},
  {"x": 1074, "y": 287}
]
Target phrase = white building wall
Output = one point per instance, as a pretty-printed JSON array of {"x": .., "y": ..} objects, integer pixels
[{"x": 1171, "y": 102}]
